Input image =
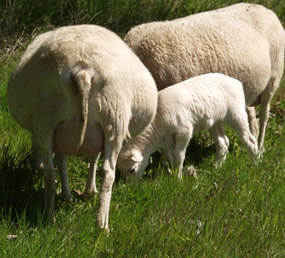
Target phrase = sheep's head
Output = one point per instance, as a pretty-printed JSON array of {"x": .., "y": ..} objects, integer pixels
[{"x": 132, "y": 164}]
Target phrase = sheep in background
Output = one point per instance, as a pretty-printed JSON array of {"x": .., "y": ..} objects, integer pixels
[
  {"x": 186, "y": 108},
  {"x": 244, "y": 41},
  {"x": 80, "y": 90}
]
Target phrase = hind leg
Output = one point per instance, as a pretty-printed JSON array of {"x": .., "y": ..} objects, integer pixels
[
  {"x": 253, "y": 124},
  {"x": 112, "y": 149},
  {"x": 90, "y": 187},
  {"x": 222, "y": 143},
  {"x": 46, "y": 156},
  {"x": 36, "y": 156},
  {"x": 60, "y": 160},
  {"x": 266, "y": 97}
]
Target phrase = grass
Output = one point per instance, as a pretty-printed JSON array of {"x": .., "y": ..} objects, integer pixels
[
  {"x": 235, "y": 211},
  {"x": 28, "y": 16}
]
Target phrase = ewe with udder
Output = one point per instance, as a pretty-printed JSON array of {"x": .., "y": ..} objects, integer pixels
[{"x": 80, "y": 90}]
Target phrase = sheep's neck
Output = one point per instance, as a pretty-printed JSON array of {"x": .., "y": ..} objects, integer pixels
[{"x": 145, "y": 142}]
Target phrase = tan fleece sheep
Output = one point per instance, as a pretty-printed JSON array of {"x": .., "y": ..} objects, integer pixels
[{"x": 244, "y": 41}]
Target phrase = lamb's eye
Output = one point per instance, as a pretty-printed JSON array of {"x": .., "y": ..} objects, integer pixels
[{"x": 132, "y": 170}]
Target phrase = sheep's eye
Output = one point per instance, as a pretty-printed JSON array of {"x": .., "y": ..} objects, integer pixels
[{"x": 132, "y": 170}]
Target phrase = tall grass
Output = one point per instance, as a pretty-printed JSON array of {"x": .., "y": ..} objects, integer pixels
[
  {"x": 117, "y": 15},
  {"x": 235, "y": 211}
]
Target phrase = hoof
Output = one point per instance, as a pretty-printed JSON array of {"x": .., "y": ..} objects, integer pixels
[
  {"x": 49, "y": 220},
  {"x": 77, "y": 193},
  {"x": 83, "y": 196},
  {"x": 66, "y": 198},
  {"x": 89, "y": 194},
  {"x": 191, "y": 171}
]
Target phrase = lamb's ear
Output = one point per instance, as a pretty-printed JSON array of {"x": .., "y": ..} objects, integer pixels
[{"x": 136, "y": 156}]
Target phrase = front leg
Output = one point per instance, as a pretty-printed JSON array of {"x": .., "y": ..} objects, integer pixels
[
  {"x": 181, "y": 143},
  {"x": 221, "y": 142},
  {"x": 163, "y": 162}
]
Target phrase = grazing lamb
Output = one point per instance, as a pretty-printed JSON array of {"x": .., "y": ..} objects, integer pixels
[
  {"x": 186, "y": 108},
  {"x": 244, "y": 41},
  {"x": 80, "y": 90}
]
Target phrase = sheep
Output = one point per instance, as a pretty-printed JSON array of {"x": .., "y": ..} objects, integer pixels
[
  {"x": 244, "y": 41},
  {"x": 186, "y": 108},
  {"x": 80, "y": 90}
]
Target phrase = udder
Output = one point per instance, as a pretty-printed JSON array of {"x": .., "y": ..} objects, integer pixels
[{"x": 66, "y": 135}]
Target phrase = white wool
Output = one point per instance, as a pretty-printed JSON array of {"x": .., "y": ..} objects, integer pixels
[{"x": 72, "y": 83}]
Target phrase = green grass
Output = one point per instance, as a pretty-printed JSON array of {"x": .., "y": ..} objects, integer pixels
[
  {"x": 235, "y": 211},
  {"x": 17, "y": 17}
]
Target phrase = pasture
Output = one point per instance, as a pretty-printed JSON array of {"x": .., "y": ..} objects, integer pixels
[{"x": 234, "y": 211}]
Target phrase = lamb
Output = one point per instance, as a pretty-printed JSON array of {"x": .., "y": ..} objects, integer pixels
[
  {"x": 199, "y": 103},
  {"x": 249, "y": 47},
  {"x": 80, "y": 90}
]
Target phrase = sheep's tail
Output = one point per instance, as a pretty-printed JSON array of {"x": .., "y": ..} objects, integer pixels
[{"x": 82, "y": 80}]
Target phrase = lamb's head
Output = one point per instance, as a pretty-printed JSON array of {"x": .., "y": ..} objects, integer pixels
[{"x": 132, "y": 163}]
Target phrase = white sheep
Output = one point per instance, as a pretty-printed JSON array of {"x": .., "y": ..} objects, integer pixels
[
  {"x": 244, "y": 41},
  {"x": 80, "y": 90},
  {"x": 202, "y": 102}
]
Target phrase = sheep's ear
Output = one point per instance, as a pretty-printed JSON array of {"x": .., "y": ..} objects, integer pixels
[{"x": 136, "y": 156}]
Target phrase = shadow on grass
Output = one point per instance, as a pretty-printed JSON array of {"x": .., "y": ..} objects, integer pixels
[{"x": 21, "y": 189}]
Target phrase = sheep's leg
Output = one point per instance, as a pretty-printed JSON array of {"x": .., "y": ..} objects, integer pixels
[
  {"x": 168, "y": 158},
  {"x": 90, "y": 187},
  {"x": 266, "y": 97},
  {"x": 60, "y": 160},
  {"x": 49, "y": 178},
  {"x": 112, "y": 150},
  {"x": 221, "y": 142},
  {"x": 253, "y": 125},
  {"x": 181, "y": 143},
  {"x": 239, "y": 123},
  {"x": 36, "y": 157},
  {"x": 264, "y": 114},
  {"x": 162, "y": 162}
]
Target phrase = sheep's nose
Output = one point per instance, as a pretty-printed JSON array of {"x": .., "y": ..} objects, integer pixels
[{"x": 132, "y": 170}]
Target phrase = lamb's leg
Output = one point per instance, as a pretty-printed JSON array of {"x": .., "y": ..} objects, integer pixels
[
  {"x": 221, "y": 142},
  {"x": 238, "y": 121},
  {"x": 181, "y": 143},
  {"x": 90, "y": 187},
  {"x": 111, "y": 153},
  {"x": 253, "y": 125},
  {"x": 163, "y": 162},
  {"x": 168, "y": 159},
  {"x": 49, "y": 178},
  {"x": 60, "y": 160}
]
